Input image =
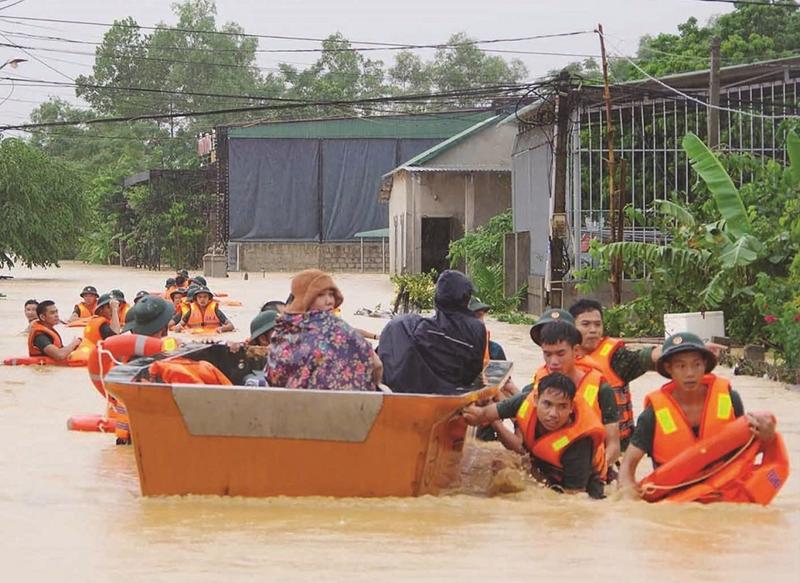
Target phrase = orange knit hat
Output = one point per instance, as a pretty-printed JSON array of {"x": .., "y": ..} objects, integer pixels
[{"x": 307, "y": 285}]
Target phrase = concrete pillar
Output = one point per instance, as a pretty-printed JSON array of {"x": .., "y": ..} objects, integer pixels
[{"x": 469, "y": 203}]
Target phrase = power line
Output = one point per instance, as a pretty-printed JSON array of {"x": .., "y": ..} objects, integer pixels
[
  {"x": 700, "y": 101},
  {"x": 756, "y": 3},
  {"x": 493, "y": 91},
  {"x": 374, "y": 45}
]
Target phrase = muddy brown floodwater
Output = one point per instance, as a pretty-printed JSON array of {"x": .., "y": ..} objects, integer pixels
[{"x": 70, "y": 507}]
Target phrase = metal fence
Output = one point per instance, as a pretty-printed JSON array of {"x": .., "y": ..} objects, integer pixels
[{"x": 648, "y": 132}]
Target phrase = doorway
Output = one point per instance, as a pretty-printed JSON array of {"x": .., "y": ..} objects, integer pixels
[{"x": 436, "y": 236}]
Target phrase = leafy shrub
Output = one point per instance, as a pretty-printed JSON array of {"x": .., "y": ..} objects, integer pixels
[{"x": 413, "y": 292}]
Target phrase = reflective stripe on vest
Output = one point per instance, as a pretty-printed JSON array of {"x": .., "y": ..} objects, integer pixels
[{"x": 673, "y": 433}]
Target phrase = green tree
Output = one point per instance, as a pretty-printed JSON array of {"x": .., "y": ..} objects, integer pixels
[
  {"x": 41, "y": 205},
  {"x": 750, "y": 33}
]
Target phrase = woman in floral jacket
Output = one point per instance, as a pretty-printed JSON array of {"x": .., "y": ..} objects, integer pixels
[{"x": 311, "y": 348}]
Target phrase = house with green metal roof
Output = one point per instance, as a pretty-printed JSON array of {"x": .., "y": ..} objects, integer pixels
[
  {"x": 297, "y": 192},
  {"x": 451, "y": 188}
]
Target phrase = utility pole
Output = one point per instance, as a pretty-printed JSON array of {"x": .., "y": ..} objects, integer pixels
[
  {"x": 558, "y": 225},
  {"x": 713, "y": 95},
  {"x": 614, "y": 210}
]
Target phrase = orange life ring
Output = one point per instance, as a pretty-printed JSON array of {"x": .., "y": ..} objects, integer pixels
[
  {"x": 39, "y": 360},
  {"x": 231, "y": 303},
  {"x": 79, "y": 323},
  {"x": 96, "y": 423},
  {"x": 722, "y": 468},
  {"x": 123, "y": 347}
]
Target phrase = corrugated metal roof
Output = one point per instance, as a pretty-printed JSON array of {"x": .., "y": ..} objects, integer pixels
[
  {"x": 453, "y": 169},
  {"x": 420, "y": 126}
]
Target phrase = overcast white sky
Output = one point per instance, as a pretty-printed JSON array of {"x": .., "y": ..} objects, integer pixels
[{"x": 397, "y": 21}]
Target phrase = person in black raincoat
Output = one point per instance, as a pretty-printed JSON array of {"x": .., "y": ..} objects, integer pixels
[{"x": 439, "y": 354}]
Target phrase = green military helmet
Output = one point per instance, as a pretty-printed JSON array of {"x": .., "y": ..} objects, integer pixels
[
  {"x": 180, "y": 290},
  {"x": 199, "y": 280},
  {"x": 139, "y": 295},
  {"x": 684, "y": 342},
  {"x": 550, "y": 315},
  {"x": 475, "y": 305},
  {"x": 263, "y": 323},
  {"x": 190, "y": 291},
  {"x": 150, "y": 315},
  {"x": 102, "y": 301}
]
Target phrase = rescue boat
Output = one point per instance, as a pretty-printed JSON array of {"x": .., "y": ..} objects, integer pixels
[{"x": 243, "y": 441}]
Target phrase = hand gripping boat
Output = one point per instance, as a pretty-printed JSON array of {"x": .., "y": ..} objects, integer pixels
[{"x": 242, "y": 441}]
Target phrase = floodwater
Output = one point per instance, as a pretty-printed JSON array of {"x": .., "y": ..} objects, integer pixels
[{"x": 70, "y": 507}]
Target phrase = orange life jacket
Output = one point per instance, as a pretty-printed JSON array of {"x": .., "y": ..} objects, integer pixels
[
  {"x": 168, "y": 292},
  {"x": 550, "y": 446},
  {"x": 123, "y": 310},
  {"x": 588, "y": 389},
  {"x": 91, "y": 331},
  {"x": 601, "y": 358},
  {"x": 199, "y": 318},
  {"x": 184, "y": 370},
  {"x": 38, "y": 328},
  {"x": 84, "y": 311},
  {"x": 730, "y": 466},
  {"x": 123, "y": 347},
  {"x": 673, "y": 433}
]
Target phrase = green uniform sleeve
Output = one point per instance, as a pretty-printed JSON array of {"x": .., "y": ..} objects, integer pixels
[
  {"x": 106, "y": 331},
  {"x": 508, "y": 408},
  {"x": 42, "y": 341},
  {"x": 645, "y": 431},
  {"x": 223, "y": 319},
  {"x": 608, "y": 404},
  {"x": 736, "y": 402},
  {"x": 629, "y": 365}
]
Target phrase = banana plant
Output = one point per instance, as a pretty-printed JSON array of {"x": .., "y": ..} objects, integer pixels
[{"x": 720, "y": 254}]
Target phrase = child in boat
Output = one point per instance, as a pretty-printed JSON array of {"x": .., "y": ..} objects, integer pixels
[
  {"x": 694, "y": 405},
  {"x": 479, "y": 310},
  {"x": 30, "y": 314},
  {"x": 260, "y": 335},
  {"x": 313, "y": 349},
  {"x": 563, "y": 436}
]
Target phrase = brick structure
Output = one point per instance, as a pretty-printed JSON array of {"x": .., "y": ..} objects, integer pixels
[{"x": 296, "y": 256}]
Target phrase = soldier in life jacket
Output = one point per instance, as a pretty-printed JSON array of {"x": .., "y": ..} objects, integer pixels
[
  {"x": 694, "y": 405},
  {"x": 563, "y": 436},
  {"x": 559, "y": 340},
  {"x": 43, "y": 340},
  {"x": 107, "y": 320},
  {"x": 85, "y": 309},
  {"x": 123, "y": 304},
  {"x": 205, "y": 313},
  {"x": 619, "y": 365}
]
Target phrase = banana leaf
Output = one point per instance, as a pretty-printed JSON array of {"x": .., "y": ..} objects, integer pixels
[
  {"x": 677, "y": 212},
  {"x": 725, "y": 194},
  {"x": 741, "y": 252}
]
